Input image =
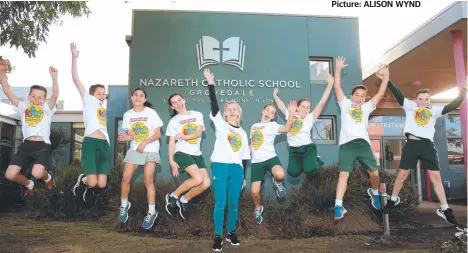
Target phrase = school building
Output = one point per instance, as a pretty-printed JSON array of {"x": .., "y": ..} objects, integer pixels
[{"x": 250, "y": 54}]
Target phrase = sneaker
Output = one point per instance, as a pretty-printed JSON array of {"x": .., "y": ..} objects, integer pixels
[
  {"x": 280, "y": 190},
  {"x": 183, "y": 209},
  {"x": 123, "y": 217},
  {"x": 258, "y": 215},
  {"x": 218, "y": 243},
  {"x": 447, "y": 215},
  {"x": 375, "y": 199},
  {"x": 340, "y": 211},
  {"x": 390, "y": 205},
  {"x": 78, "y": 183},
  {"x": 171, "y": 204},
  {"x": 88, "y": 194},
  {"x": 231, "y": 237},
  {"x": 51, "y": 184},
  {"x": 148, "y": 221},
  {"x": 28, "y": 192}
]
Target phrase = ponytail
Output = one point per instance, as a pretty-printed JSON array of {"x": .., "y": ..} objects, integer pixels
[{"x": 148, "y": 104}]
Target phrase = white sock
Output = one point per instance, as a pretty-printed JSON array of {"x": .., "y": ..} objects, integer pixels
[
  {"x": 49, "y": 177},
  {"x": 394, "y": 198},
  {"x": 124, "y": 202},
  {"x": 152, "y": 208},
  {"x": 375, "y": 192},
  {"x": 172, "y": 195},
  {"x": 444, "y": 207},
  {"x": 257, "y": 209},
  {"x": 183, "y": 200},
  {"x": 84, "y": 180},
  {"x": 30, "y": 185},
  {"x": 338, "y": 202}
]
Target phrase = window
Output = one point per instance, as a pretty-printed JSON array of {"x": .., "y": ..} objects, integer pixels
[
  {"x": 78, "y": 136},
  {"x": 121, "y": 147},
  {"x": 324, "y": 130},
  {"x": 454, "y": 140},
  {"x": 319, "y": 69},
  {"x": 7, "y": 144}
]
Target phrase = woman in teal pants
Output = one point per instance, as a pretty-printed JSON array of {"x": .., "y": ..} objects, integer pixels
[{"x": 229, "y": 159}]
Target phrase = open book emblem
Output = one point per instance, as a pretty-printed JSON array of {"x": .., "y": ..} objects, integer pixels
[{"x": 210, "y": 51}]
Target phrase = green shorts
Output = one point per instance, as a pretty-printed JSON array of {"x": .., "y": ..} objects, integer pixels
[
  {"x": 258, "y": 170},
  {"x": 356, "y": 150},
  {"x": 185, "y": 160},
  {"x": 423, "y": 150},
  {"x": 95, "y": 157},
  {"x": 302, "y": 159}
]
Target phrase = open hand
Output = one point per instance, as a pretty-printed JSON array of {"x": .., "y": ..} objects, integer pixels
[
  {"x": 209, "y": 76},
  {"x": 330, "y": 80},
  {"x": 383, "y": 72},
  {"x": 292, "y": 107},
  {"x": 141, "y": 147},
  {"x": 175, "y": 168},
  {"x": 340, "y": 62},
  {"x": 74, "y": 51}
]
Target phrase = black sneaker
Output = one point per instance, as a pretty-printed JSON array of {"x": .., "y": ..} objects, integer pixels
[
  {"x": 390, "y": 205},
  {"x": 447, "y": 215},
  {"x": 218, "y": 243},
  {"x": 231, "y": 237},
  {"x": 183, "y": 209},
  {"x": 171, "y": 204},
  {"x": 79, "y": 184},
  {"x": 88, "y": 195}
]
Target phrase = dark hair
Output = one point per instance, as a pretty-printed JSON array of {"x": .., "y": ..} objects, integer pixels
[
  {"x": 302, "y": 100},
  {"x": 174, "y": 112},
  {"x": 147, "y": 103},
  {"x": 94, "y": 87},
  {"x": 38, "y": 87},
  {"x": 422, "y": 91},
  {"x": 358, "y": 87},
  {"x": 272, "y": 105}
]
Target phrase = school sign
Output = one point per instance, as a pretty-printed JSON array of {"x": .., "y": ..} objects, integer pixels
[{"x": 250, "y": 55}]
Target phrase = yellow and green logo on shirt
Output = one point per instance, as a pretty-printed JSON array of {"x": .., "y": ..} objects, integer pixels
[
  {"x": 102, "y": 117},
  {"x": 33, "y": 114},
  {"x": 296, "y": 126},
  {"x": 422, "y": 116},
  {"x": 188, "y": 129},
  {"x": 141, "y": 131},
  {"x": 256, "y": 138},
  {"x": 235, "y": 140},
  {"x": 356, "y": 114}
]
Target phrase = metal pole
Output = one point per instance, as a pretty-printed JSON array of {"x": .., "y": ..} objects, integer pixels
[
  {"x": 386, "y": 224},
  {"x": 419, "y": 181}
]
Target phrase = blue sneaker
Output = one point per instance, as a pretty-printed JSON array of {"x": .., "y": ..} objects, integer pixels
[
  {"x": 148, "y": 221},
  {"x": 123, "y": 217},
  {"x": 280, "y": 190},
  {"x": 171, "y": 204},
  {"x": 340, "y": 211},
  {"x": 258, "y": 215},
  {"x": 375, "y": 199}
]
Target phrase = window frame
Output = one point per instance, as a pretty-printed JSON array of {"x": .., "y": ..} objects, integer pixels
[
  {"x": 456, "y": 166},
  {"x": 334, "y": 140},
  {"x": 321, "y": 59},
  {"x": 72, "y": 143},
  {"x": 116, "y": 138}
]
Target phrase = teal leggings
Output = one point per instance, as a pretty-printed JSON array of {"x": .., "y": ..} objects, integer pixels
[{"x": 226, "y": 178}]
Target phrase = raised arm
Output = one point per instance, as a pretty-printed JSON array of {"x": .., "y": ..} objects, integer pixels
[
  {"x": 278, "y": 101},
  {"x": 213, "y": 101},
  {"x": 4, "y": 82},
  {"x": 319, "y": 107},
  {"x": 292, "y": 107},
  {"x": 76, "y": 79},
  {"x": 55, "y": 89},
  {"x": 340, "y": 64},
  {"x": 456, "y": 102},
  {"x": 385, "y": 74}
]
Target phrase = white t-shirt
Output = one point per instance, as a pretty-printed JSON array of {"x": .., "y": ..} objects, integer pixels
[
  {"x": 36, "y": 119},
  {"x": 143, "y": 124},
  {"x": 186, "y": 124},
  {"x": 94, "y": 115},
  {"x": 231, "y": 145},
  {"x": 420, "y": 122},
  {"x": 262, "y": 138},
  {"x": 354, "y": 121},
  {"x": 300, "y": 135}
]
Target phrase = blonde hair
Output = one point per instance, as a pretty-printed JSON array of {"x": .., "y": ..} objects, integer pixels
[{"x": 238, "y": 107}]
